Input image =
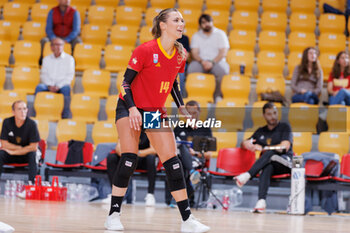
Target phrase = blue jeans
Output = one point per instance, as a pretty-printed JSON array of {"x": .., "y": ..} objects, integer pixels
[
  {"x": 307, "y": 97},
  {"x": 65, "y": 90},
  {"x": 342, "y": 97}
]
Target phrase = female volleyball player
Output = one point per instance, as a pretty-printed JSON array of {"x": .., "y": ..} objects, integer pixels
[{"x": 148, "y": 80}]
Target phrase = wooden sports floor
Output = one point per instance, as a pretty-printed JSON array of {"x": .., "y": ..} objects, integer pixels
[{"x": 41, "y": 216}]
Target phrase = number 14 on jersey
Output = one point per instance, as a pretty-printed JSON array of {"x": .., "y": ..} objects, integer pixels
[{"x": 164, "y": 86}]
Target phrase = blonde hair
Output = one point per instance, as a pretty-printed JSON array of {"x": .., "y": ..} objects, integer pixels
[{"x": 157, "y": 32}]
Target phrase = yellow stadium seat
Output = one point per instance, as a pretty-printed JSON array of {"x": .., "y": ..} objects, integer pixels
[
  {"x": 136, "y": 3},
  {"x": 191, "y": 4},
  {"x": 236, "y": 87},
  {"x": 94, "y": 34},
  {"x": 200, "y": 85},
  {"x": 47, "y": 49},
  {"x": 5, "y": 51},
  {"x": 29, "y": 2},
  {"x": 272, "y": 41},
  {"x": 70, "y": 129},
  {"x": 117, "y": 57},
  {"x": 85, "y": 3},
  {"x": 251, "y": 5},
  {"x": 7, "y": 98},
  {"x": 104, "y": 132},
  {"x": 25, "y": 79},
  {"x": 124, "y": 35},
  {"x": 43, "y": 127},
  {"x": 162, "y": 4},
  {"x": 101, "y": 15},
  {"x": 270, "y": 62},
  {"x": 127, "y": 15},
  {"x": 220, "y": 18},
  {"x": 245, "y": 20},
  {"x": 333, "y": 142},
  {"x": 146, "y": 34},
  {"x": 294, "y": 59},
  {"x": 270, "y": 83},
  {"x": 236, "y": 58},
  {"x": 298, "y": 41},
  {"x": 331, "y": 23},
  {"x": 338, "y": 4},
  {"x": 87, "y": 56},
  {"x": 302, "y": 22},
  {"x": 27, "y": 53},
  {"x": 33, "y": 31},
  {"x": 15, "y": 12},
  {"x": 303, "y": 6},
  {"x": 48, "y": 106},
  {"x": 257, "y": 115},
  {"x": 2, "y": 2},
  {"x": 85, "y": 107},
  {"x": 82, "y": 11},
  {"x": 40, "y": 11},
  {"x": 224, "y": 140},
  {"x": 302, "y": 142},
  {"x": 191, "y": 16},
  {"x": 231, "y": 113},
  {"x": 223, "y": 5},
  {"x": 336, "y": 118},
  {"x": 107, "y": 3},
  {"x": 152, "y": 12},
  {"x": 9, "y": 31},
  {"x": 327, "y": 61},
  {"x": 274, "y": 21},
  {"x": 2, "y": 77},
  {"x": 275, "y": 5},
  {"x": 241, "y": 39},
  {"x": 120, "y": 79},
  {"x": 111, "y": 105},
  {"x": 96, "y": 82},
  {"x": 303, "y": 117}
]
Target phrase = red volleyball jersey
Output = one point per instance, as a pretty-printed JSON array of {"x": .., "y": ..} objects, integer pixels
[{"x": 157, "y": 71}]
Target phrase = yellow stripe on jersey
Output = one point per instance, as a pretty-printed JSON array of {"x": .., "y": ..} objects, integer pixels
[{"x": 163, "y": 50}]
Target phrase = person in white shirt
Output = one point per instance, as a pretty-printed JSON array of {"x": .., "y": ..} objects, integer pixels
[
  {"x": 209, "y": 47},
  {"x": 57, "y": 73}
]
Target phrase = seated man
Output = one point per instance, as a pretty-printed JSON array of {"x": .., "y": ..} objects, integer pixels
[
  {"x": 272, "y": 161},
  {"x": 146, "y": 161},
  {"x": 57, "y": 73},
  {"x": 19, "y": 139}
]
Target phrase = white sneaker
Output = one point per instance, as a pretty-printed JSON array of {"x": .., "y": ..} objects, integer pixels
[
  {"x": 113, "y": 222},
  {"x": 22, "y": 194},
  {"x": 242, "y": 179},
  {"x": 150, "y": 200},
  {"x": 193, "y": 225},
  {"x": 260, "y": 206},
  {"x": 5, "y": 228}
]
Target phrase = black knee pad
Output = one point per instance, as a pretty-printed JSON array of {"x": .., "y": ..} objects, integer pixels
[
  {"x": 175, "y": 174},
  {"x": 126, "y": 167}
]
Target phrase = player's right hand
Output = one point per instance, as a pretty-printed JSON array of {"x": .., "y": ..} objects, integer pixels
[{"x": 135, "y": 118}]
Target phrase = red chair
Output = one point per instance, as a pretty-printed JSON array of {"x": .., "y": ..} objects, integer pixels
[
  {"x": 61, "y": 155},
  {"x": 313, "y": 171},
  {"x": 344, "y": 169},
  {"x": 233, "y": 161}
]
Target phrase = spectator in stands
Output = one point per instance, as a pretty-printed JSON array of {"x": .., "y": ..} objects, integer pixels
[
  {"x": 63, "y": 21},
  {"x": 272, "y": 161},
  {"x": 307, "y": 78},
  {"x": 186, "y": 43},
  {"x": 57, "y": 73},
  {"x": 146, "y": 161},
  {"x": 209, "y": 47},
  {"x": 191, "y": 159},
  {"x": 19, "y": 139},
  {"x": 339, "y": 80}
]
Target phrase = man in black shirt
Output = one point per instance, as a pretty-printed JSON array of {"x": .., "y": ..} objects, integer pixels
[
  {"x": 273, "y": 161},
  {"x": 19, "y": 139}
]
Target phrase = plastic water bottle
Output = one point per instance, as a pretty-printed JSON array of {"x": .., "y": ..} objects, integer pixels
[
  {"x": 13, "y": 189},
  {"x": 226, "y": 201},
  {"x": 236, "y": 197},
  {"x": 7, "y": 189}
]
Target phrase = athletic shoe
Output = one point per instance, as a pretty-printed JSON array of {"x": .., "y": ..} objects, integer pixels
[
  {"x": 150, "y": 200},
  {"x": 22, "y": 194},
  {"x": 260, "y": 206},
  {"x": 113, "y": 222},
  {"x": 195, "y": 177},
  {"x": 193, "y": 225},
  {"x": 242, "y": 179},
  {"x": 173, "y": 204},
  {"x": 5, "y": 228},
  {"x": 281, "y": 160}
]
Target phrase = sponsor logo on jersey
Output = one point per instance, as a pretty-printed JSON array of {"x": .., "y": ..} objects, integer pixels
[{"x": 155, "y": 58}]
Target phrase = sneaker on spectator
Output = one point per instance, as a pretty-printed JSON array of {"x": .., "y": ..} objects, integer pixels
[
  {"x": 150, "y": 200},
  {"x": 260, "y": 206},
  {"x": 5, "y": 228},
  {"x": 195, "y": 176},
  {"x": 22, "y": 194},
  {"x": 113, "y": 222},
  {"x": 242, "y": 179},
  {"x": 193, "y": 225}
]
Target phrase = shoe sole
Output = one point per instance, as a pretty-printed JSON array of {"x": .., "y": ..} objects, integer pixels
[
  {"x": 259, "y": 210},
  {"x": 113, "y": 229}
]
